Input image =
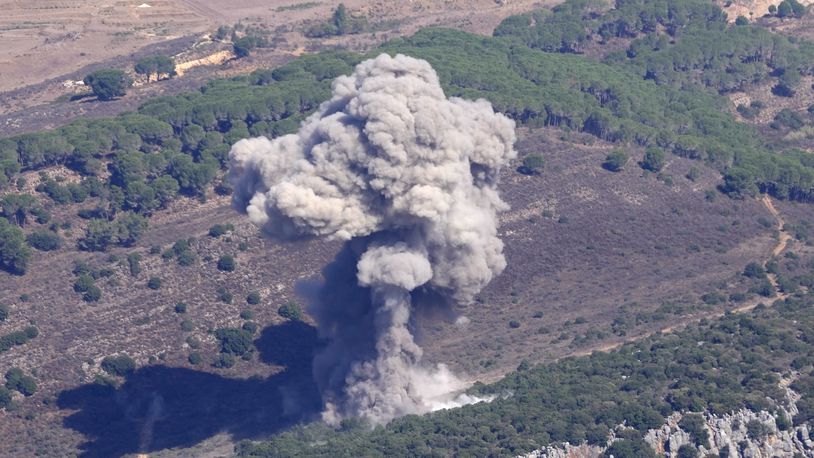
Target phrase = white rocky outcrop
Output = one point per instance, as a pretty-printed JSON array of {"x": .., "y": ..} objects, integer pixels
[{"x": 728, "y": 436}]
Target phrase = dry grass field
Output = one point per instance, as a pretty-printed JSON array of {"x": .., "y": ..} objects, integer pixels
[{"x": 44, "y": 39}]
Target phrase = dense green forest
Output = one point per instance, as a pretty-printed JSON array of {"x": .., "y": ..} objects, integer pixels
[
  {"x": 719, "y": 366},
  {"x": 674, "y": 42},
  {"x": 176, "y": 145}
]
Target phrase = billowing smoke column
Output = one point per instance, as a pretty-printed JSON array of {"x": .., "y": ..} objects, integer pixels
[{"x": 408, "y": 178}]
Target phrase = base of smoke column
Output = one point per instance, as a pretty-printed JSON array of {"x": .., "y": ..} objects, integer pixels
[{"x": 437, "y": 389}]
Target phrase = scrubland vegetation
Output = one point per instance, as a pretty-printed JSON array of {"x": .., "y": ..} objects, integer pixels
[{"x": 717, "y": 366}]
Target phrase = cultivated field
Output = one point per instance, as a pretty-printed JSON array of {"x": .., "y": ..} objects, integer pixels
[
  {"x": 47, "y": 44},
  {"x": 44, "y": 39}
]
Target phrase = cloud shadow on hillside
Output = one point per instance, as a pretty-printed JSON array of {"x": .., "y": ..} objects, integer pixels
[{"x": 159, "y": 407}]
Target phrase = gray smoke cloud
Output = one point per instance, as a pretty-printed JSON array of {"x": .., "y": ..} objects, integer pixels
[{"x": 408, "y": 177}]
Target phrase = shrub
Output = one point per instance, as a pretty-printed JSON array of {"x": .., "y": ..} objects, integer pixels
[
  {"x": 765, "y": 289},
  {"x": 157, "y": 64},
  {"x": 783, "y": 423},
  {"x": 193, "y": 342},
  {"x": 154, "y": 283},
  {"x": 616, "y": 160},
  {"x": 249, "y": 327},
  {"x": 246, "y": 315},
  {"x": 14, "y": 252},
  {"x": 597, "y": 435},
  {"x": 290, "y": 311},
  {"x": 244, "y": 45},
  {"x": 754, "y": 270},
  {"x": 5, "y": 397},
  {"x": 226, "y": 263},
  {"x": 253, "y": 298},
  {"x": 186, "y": 258},
  {"x": 687, "y": 451},
  {"x": 756, "y": 430},
  {"x": 93, "y": 294},
  {"x": 514, "y": 324},
  {"x": 225, "y": 296},
  {"x": 653, "y": 159},
  {"x": 124, "y": 231},
  {"x": 118, "y": 365},
  {"x": 234, "y": 341},
  {"x": 737, "y": 297},
  {"x": 44, "y": 240},
  {"x": 83, "y": 283},
  {"x": 17, "y": 381},
  {"x": 187, "y": 326},
  {"x": 11, "y": 339},
  {"x": 219, "y": 229},
  {"x": 195, "y": 358},
  {"x": 108, "y": 84},
  {"x": 532, "y": 164},
  {"x": 134, "y": 264},
  {"x": 31, "y": 332},
  {"x": 695, "y": 426},
  {"x": 629, "y": 448},
  {"x": 713, "y": 298},
  {"x": 224, "y": 361},
  {"x": 181, "y": 307}
]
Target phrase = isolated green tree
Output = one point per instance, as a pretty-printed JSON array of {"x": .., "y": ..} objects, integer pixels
[
  {"x": 532, "y": 164},
  {"x": 14, "y": 252},
  {"x": 616, "y": 160},
  {"x": 340, "y": 19},
  {"x": 243, "y": 46},
  {"x": 653, "y": 159},
  {"x": 226, "y": 263},
  {"x": 754, "y": 270},
  {"x": 16, "y": 380},
  {"x": 155, "y": 65},
  {"x": 154, "y": 283},
  {"x": 290, "y": 311},
  {"x": 798, "y": 8},
  {"x": 234, "y": 341},
  {"x": 118, "y": 365},
  {"x": 108, "y": 84},
  {"x": 17, "y": 207},
  {"x": 784, "y": 10}
]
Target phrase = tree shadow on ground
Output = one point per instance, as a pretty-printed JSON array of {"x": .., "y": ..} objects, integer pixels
[{"x": 159, "y": 407}]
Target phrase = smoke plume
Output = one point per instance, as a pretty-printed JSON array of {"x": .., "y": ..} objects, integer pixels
[{"x": 408, "y": 178}]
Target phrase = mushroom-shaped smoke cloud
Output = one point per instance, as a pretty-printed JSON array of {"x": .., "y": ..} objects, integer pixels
[{"x": 408, "y": 178}]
